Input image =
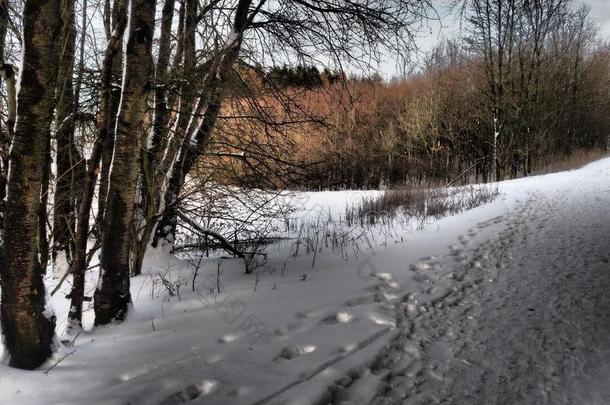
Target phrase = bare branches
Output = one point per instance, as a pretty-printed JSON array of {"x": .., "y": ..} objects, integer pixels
[{"x": 345, "y": 31}]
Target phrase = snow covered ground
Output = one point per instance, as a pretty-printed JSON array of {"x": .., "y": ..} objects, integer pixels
[{"x": 507, "y": 303}]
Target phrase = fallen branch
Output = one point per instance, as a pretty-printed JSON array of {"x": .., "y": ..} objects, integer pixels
[
  {"x": 59, "y": 361},
  {"x": 199, "y": 246},
  {"x": 222, "y": 242}
]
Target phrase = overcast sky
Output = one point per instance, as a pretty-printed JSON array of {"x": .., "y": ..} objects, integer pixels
[
  {"x": 434, "y": 31},
  {"x": 600, "y": 10}
]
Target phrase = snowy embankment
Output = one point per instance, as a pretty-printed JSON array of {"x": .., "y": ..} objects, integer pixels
[{"x": 387, "y": 317}]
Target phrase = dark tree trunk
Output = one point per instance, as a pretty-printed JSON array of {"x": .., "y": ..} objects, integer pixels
[
  {"x": 75, "y": 315},
  {"x": 27, "y": 329},
  {"x": 150, "y": 181},
  {"x": 161, "y": 120},
  {"x": 112, "y": 297},
  {"x": 79, "y": 264},
  {"x": 63, "y": 208},
  {"x": 118, "y": 9},
  {"x": 108, "y": 146}
]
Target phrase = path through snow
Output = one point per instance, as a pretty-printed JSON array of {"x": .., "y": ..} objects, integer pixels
[{"x": 520, "y": 318}]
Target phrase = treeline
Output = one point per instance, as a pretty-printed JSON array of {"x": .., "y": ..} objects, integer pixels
[
  {"x": 516, "y": 93},
  {"x": 308, "y": 77}
]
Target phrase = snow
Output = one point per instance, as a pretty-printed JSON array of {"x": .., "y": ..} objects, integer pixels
[{"x": 505, "y": 301}]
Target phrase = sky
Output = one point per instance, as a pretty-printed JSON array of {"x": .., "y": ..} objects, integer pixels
[
  {"x": 431, "y": 32},
  {"x": 600, "y": 10}
]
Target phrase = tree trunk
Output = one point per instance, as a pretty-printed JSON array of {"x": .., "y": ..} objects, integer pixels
[
  {"x": 28, "y": 329},
  {"x": 64, "y": 210},
  {"x": 118, "y": 9},
  {"x": 161, "y": 120},
  {"x": 150, "y": 181},
  {"x": 112, "y": 297},
  {"x": 79, "y": 264}
]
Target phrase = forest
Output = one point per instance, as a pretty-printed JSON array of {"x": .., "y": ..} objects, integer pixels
[{"x": 123, "y": 120}]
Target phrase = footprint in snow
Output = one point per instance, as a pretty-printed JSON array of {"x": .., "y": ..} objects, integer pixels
[
  {"x": 281, "y": 331},
  {"x": 357, "y": 301},
  {"x": 385, "y": 286},
  {"x": 369, "y": 299},
  {"x": 231, "y": 337},
  {"x": 383, "y": 276},
  {"x": 382, "y": 320},
  {"x": 420, "y": 266},
  {"x": 339, "y": 317},
  {"x": 211, "y": 359},
  {"x": 482, "y": 225},
  {"x": 423, "y": 278},
  {"x": 191, "y": 392},
  {"x": 455, "y": 250},
  {"x": 348, "y": 348},
  {"x": 497, "y": 220},
  {"x": 290, "y": 352},
  {"x": 305, "y": 314}
]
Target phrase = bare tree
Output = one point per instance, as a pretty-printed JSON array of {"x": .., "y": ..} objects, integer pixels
[
  {"x": 69, "y": 161},
  {"x": 509, "y": 35},
  {"x": 344, "y": 31},
  {"x": 81, "y": 256},
  {"x": 27, "y": 328},
  {"x": 112, "y": 297}
]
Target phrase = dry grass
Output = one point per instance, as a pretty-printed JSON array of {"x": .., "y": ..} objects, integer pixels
[
  {"x": 376, "y": 221},
  {"x": 420, "y": 203},
  {"x": 576, "y": 160}
]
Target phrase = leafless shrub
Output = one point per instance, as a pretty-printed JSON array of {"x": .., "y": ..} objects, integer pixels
[
  {"x": 240, "y": 222},
  {"x": 195, "y": 262},
  {"x": 171, "y": 286}
]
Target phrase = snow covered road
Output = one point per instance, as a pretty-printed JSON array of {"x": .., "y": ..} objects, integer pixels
[{"x": 524, "y": 316}]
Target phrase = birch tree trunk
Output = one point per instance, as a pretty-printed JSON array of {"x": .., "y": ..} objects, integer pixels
[
  {"x": 79, "y": 264},
  {"x": 112, "y": 297},
  {"x": 118, "y": 10},
  {"x": 150, "y": 181},
  {"x": 63, "y": 207},
  {"x": 28, "y": 328}
]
